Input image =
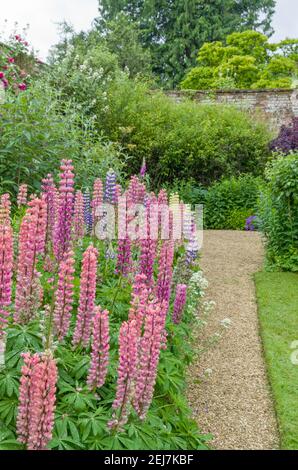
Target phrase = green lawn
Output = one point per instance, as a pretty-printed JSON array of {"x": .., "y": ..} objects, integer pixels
[{"x": 277, "y": 295}]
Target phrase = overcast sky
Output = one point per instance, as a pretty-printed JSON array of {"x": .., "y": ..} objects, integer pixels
[{"x": 42, "y": 15}]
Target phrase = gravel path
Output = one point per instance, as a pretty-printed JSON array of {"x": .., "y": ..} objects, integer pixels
[{"x": 234, "y": 402}]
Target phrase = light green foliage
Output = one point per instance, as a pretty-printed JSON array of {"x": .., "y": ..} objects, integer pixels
[
  {"x": 246, "y": 60},
  {"x": 249, "y": 43},
  {"x": 241, "y": 68},
  {"x": 278, "y": 209},
  {"x": 277, "y": 295}
]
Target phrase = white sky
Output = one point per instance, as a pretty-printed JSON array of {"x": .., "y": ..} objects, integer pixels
[{"x": 43, "y": 14}]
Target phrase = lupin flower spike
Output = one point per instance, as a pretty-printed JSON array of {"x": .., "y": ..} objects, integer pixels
[
  {"x": 179, "y": 302},
  {"x": 22, "y": 195},
  {"x": 99, "y": 349},
  {"x": 31, "y": 244},
  {"x": 87, "y": 297},
  {"x": 64, "y": 296},
  {"x": 37, "y": 397},
  {"x": 62, "y": 237},
  {"x": 78, "y": 218},
  {"x": 128, "y": 353},
  {"x": 110, "y": 187},
  {"x": 6, "y": 272}
]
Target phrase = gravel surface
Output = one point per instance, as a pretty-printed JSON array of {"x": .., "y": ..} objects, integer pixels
[{"x": 233, "y": 401}]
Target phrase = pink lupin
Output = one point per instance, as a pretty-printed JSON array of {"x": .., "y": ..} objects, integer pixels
[
  {"x": 64, "y": 296},
  {"x": 6, "y": 272},
  {"x": 31, "y": 244},
  {"x": 148, "y": 244},
  {"x": 139, "y": 301},
  {"x": 37, "y": 397},
  {"x": 65, "y": 209},
  {"x": 78, "y": 218},
  {"x": 149, "y": 352},
  {"x": 179, "y": 302},
  {"x": 97, "y": 201},
  {"x": 5, "y": 208},
  {"x": 124, "y": 258},
  {"x": 128, "y": 354},
  {"x": 22, "y": 195},
  {"x": 50, "y": 195},
  {"x": 87, "y": 297},
  {"x": 99, "y": 349},
  {"x": 165, "y": 271}
]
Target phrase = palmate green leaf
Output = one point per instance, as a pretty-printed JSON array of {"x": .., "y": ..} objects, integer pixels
[
  {"x": 81, "y": 368},
  {"x": 80, "y": 398},
  {"x": 13, "y": 358},
  {"x": 25, "y": 337},
  {"x": 118, "y": 442},
  {"x": 66, "y": 435},
  {"x": 95, "y": 443},
  {"x": 64, "y": 378},
  {"x": 11, "y": 444},
  {"x": 9, "y": 383},
  {"x": 65, "y": 444},
  {"x": 93, "y": 424},
  {"x": 8, "y": 410}
]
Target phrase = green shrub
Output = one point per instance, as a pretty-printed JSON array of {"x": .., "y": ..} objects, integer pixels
[
  {"x": 37, "y": 130},
  {"x": 236, "y": 219},
  {"x": 278, "y": 210},
  {"x": 230, "y": 202},
  {"x": 182, "y": 140}
]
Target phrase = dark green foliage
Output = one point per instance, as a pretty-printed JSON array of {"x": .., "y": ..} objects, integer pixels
[
  {"x": 227, "y": 203},
  {"x": 174, "y": 30},
  {"x": 182, "y": 140},
  {"x": 122, "y": 38},
  {"x": 278, "y": 209},
  {"x": 230, "y": 202}
]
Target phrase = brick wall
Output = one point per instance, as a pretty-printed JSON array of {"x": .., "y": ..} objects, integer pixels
[{"x": 277, "y": 107}]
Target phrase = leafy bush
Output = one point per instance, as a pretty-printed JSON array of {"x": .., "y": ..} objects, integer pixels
[
  {"x": 278, "y": 210},
  {"x": 230, "y": 202},
  {"x": 287, "y": 140},
  {"x": 182, "y": 140},
  {"x": 246, "y": 60},
  {"x": 37, "y": 130}
]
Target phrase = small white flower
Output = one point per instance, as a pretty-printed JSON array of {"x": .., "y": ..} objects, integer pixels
[
  {"x": 208, "y": 372},
  {"x": 226, "y": 322}
]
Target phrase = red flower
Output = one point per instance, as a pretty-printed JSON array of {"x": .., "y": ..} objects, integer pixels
[
  {"x": 22, "y": 86},
  {"x": 11, "y": 60},
  {"x": 1, "y": 75}
]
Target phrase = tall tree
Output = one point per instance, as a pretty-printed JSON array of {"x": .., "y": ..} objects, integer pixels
[{"x": 174, "y": 30}]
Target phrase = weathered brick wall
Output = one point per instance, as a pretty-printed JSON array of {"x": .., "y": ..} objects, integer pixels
[{"x": 277, "y": 107}]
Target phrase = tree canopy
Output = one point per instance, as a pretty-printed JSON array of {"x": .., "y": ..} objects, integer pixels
[
  {"x": 245, "y": 60},
  {"x": 174, "y": 30}
]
